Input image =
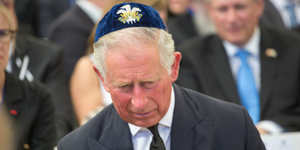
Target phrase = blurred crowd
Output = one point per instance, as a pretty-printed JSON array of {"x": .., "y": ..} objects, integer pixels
[{"x": 49, "y": 87}]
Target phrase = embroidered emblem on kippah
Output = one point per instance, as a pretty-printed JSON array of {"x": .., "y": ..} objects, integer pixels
[{"x": 129, "y": 15}]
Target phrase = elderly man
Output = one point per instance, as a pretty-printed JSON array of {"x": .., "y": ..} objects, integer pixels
[
  {"x": 247, "y": 64},
  {"x": 135, "y": 59}
]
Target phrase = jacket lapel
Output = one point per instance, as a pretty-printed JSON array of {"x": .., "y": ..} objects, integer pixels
[
  {"x": 187, "y": 122},
  {"x": 95, "y": 145},
  {"x": 18, "y": 54},
  {"x": 268, "y": 65},
  {"x": 115, "y": 136},
  {"x": 13, "y": 99},
  {"x": 222, "y": 71}
]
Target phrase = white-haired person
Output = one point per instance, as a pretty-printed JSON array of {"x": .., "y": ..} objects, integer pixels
[
  {"x": 84, "y": 83},
  {"x": 135, "y": 60}
]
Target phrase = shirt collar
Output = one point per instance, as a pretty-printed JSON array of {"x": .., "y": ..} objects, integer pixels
[
  {"x": 165, "y": 121},
  {"x": 252, "y": 46},
  {"x": 94, "y": 12},
  {"x": 281, "y": 4}
]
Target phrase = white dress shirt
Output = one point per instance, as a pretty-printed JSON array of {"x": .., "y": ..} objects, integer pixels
[
  {"x": 253, "y": 59},
  {"x": 142, "y": 137},
  {"x": 280, "y": 6},
  {"x": 253, "y": 47}
]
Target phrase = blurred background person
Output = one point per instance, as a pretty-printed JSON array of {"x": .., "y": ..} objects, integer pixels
[
  {"x": 85, "y": 85},
  {"x": 178, "y": 7},
  {"x": 47, "y": 12},
  {"x": 29, "y": 104},
  {"x": 27, "y": 13},
  {"x": 248, "y": 64},
  {"x": 36, "y": 16},
  {"x": 72, "y": 29},
  {"x": 186, "y": 26},
  {"x": 35, "y": 59},
  {"x": 284, "y": 14}
]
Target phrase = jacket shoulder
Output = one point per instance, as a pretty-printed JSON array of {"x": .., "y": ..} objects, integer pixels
[
  {"x": 197, "y": 44},
  {"x": 207, "y": 105},
  {"x": 78, "y": 139},
  {"x": 36, "y": 44},
  {"x": 33, "y": 89},
  {"x": 281, "y": 35}
]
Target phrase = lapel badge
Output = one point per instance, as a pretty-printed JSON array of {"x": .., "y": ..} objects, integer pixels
[
  {"x": 270, "y": 52},
  {"x": 13, "y": 112}
]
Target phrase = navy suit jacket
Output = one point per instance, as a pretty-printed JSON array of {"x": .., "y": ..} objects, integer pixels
[
  {"x": 205, "y": 68},
  {"x": 199, "y": 122}
]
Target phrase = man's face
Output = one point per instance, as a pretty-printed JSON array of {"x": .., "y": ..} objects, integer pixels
[
  {"x": 139, "y": 86},
  {"x": 4, "y": 41},
  {"x": 235, "y": 19}
]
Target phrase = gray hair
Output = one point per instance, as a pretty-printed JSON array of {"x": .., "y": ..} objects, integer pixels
[{"x": 134, "y": 37}]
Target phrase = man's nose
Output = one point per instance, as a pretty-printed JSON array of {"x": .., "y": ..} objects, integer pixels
[
  {"x": 232, "y": 15},
  {"x": 139, "y": 99},
  {"x": 1, "y": 44}
]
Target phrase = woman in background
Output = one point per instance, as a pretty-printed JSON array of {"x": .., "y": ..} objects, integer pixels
[{"x": 29, "y": 105}]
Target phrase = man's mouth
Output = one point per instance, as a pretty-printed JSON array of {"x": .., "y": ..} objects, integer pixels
[{"x": 142, "y": 114}]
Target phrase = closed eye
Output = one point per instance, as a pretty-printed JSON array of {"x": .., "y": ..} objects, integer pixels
[
  {"x": 125, "y": 88},
  {"x": 149, "y": 85}
]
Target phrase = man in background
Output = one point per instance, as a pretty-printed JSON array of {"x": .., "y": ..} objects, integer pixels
[
  {"x": 284, "y": 14},
  {"x": 247, "y": 64}
]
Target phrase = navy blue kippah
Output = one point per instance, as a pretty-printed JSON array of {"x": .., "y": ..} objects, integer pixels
[{"x": 127, "y": 15}]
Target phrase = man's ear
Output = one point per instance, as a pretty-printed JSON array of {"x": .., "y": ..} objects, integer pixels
[
  {"x": 261, "y": 7},
  {"x": 175, "y": 66},
  {"x": 101, "y": 78}
]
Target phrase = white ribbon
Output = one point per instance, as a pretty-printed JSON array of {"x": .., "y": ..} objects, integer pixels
[{"x": 24, "y": 69}]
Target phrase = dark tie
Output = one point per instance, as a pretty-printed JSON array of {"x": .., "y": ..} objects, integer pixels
[
  {"x": 246, "y": 87},
  {"x": 157, "y": 143}
]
